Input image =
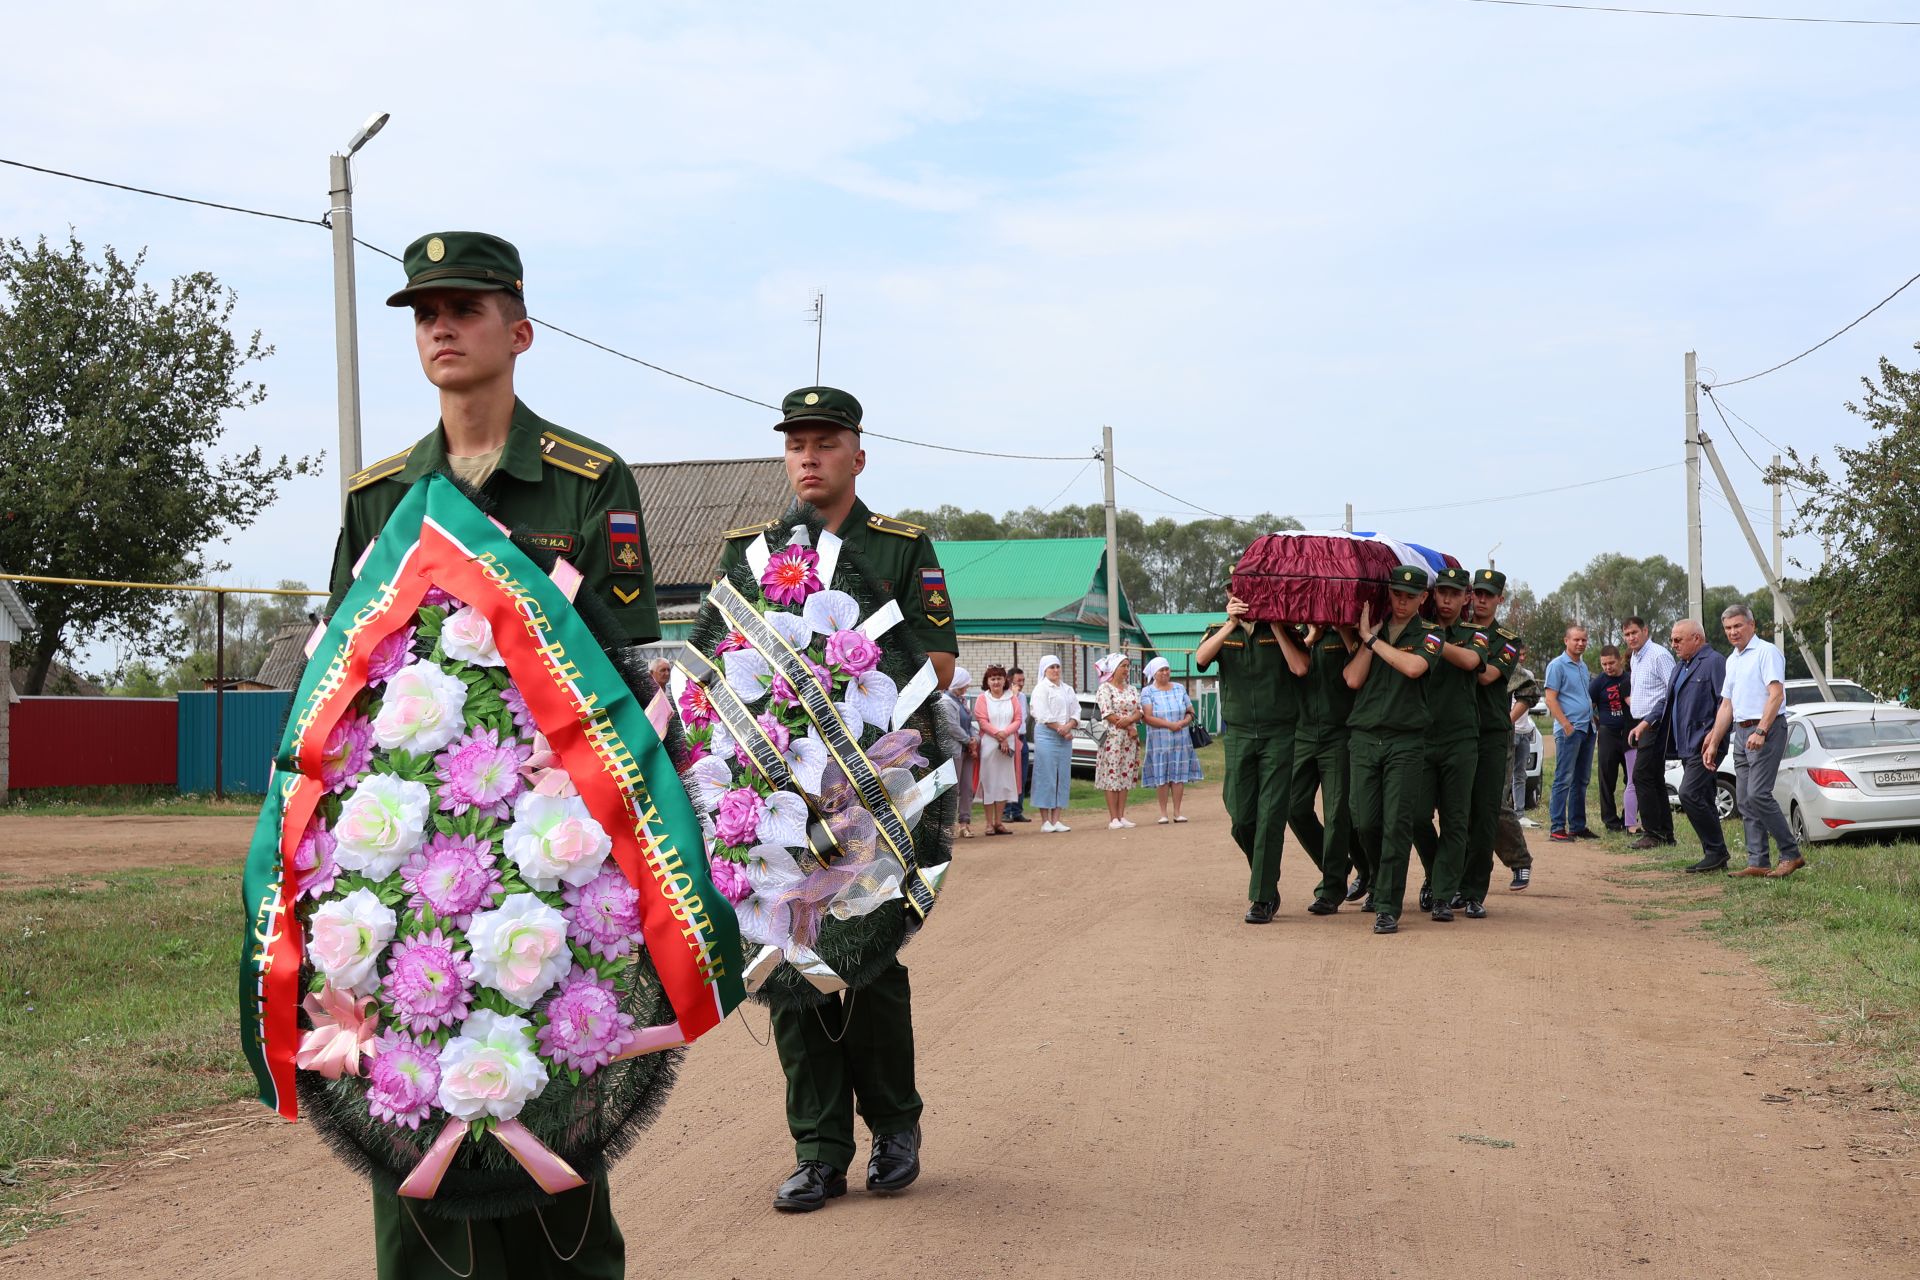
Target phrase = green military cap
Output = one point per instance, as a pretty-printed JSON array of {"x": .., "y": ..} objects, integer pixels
[
  {"x": 819, "y": 406},
  {"x": 1491, "y": 581},
  {"x": 459, "y": 260},
  {"x": 1410, "y": 578},
  {"x": 1452, "y": 576}
]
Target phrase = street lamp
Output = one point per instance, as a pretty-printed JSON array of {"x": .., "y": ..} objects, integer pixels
[{"x": 346, "y": 336}]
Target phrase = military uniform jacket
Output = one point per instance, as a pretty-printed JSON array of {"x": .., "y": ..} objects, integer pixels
[
  {"x": 1389, "y": 702},
  {"x": 1502, "y": 651},
  {"x": 1325, "y": 700},
  {"x": 1453, "y": 695},
  {"x": 899, "y": 554},
  {"x": 553, "y": 489},
  {"x": 1258, "y": 691}
]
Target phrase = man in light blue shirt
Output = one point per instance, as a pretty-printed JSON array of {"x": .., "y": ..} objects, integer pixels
[
  {"x": 1572, "y": 710},
  {"x": 1751, "y": 704}
]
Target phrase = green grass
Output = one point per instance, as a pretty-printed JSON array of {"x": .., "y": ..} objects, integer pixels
[
  {"x": 117, "y": 1010},
  {"x": 1083, "y": 795},
  {"x": 107, "y": 802},
  {"x": 1841, "y": 937}
]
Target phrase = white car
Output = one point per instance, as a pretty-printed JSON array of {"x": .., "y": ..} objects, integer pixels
[
  {"x": 1849, "y": 768},
  {"x": 1802, "y": 695}
]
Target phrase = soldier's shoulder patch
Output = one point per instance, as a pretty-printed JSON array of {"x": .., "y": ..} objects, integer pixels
[
  {"x": 378, "y": 471},
  {"x": 934, "y": 600},
  {"x": 570, "y": 455},
  {"x": 747, "y": 531},
  {"x": 899, "y": 528},
  {"x": 624, "y": 548},
  {"x": 1431, "y": 641}
]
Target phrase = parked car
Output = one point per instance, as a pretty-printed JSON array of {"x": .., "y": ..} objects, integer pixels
[
  {"x": 1800, "y": 692},
  {"x": 1802, "y": 696},
  {"x": 1850, "y": 768},
  {"x": 1083, "y": 747}
]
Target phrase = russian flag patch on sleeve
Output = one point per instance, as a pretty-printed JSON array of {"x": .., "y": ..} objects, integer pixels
[
  {"x": 624, "y": 548},
  {"x": 1432, "y": 641}
]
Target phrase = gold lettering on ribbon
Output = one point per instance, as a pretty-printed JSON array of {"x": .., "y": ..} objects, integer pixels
[{"x": 270, "y": 912}]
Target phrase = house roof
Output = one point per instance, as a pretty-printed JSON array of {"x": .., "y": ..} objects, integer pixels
[
  {"x": 1025, "y": 580},
  {"x": 688, "y": 505},
  {"x": 1175, "y": 635},
  {"x": 17, "y": 614},
  {"x": 286, "y": 657}
]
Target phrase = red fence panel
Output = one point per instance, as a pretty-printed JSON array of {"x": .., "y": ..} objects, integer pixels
[{"x": 94, "y": 742}]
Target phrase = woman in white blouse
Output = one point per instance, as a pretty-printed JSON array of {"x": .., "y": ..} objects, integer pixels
[{"x": 1056, "y": 714}]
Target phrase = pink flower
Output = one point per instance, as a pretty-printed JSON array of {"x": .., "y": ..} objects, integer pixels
[
  {"x": 343, "y": 1030},
  {"x": 427, "y": 981},
  {"x": 776, "y": 732},
  {"x": 791, "y": 575},
  {"x": 517, "y": 704},
  {"x": 438, "y": 599},
  {"x": 697, "y": 750},
  {"x": 603, "y": 915},
  {"x": 731, "y": 641},
  {"x": 348, "y": 753},
  {"x": 696, "y": 709},
  {"x": 852, "y": 652},
  {"x": 730, "y": 878},
  {"x": 389, "y": 656},
  {"x": 781, "y": 692},
  {"x": 477, "y": 772},
  {"x": 519, "y": 948},
  {"x": 454, "y": 875},
  {"x": 345, "y": 939},
  {"x": 403, "y": 1080},
  {"x": 738, "y": 817},
  {"x": 543, "y": 773},
  {"x": 313, "y": 860},
  {"x": 586, "y": 1027},
  {"x": 468, "y": 637}
]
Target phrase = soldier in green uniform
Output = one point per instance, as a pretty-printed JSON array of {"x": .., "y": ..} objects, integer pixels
[
  {"x": 859, "y": 1051},
  {"x": 1453, "y": 744},
  {"x": 1386, "y": 744},
  {"x": 1491, "y": 780},
  {"x": 1320, "y": 764},
  {"x": 1259, "y": 708},
  {"x": 554, "y": 489}
]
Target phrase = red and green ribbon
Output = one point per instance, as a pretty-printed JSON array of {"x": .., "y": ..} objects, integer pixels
[{"x": 436, "y": 537}]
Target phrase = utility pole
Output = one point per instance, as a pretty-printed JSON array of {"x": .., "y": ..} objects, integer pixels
[
  {"x": 1695, "y": 591},
  {"x": 1785, "y": 606},
  {"x": 819, "y": 331},
  {"x": 1113, "y": 545},
  {"x": 1779, "y": 563},
  {"x": 1348, "y": 526},
  {"x": 346, "y": 331}
]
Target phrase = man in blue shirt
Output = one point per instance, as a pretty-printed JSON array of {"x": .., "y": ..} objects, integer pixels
[
  {"x": 1572, "y": 710},
  {"x": 1608, "y": 692}
]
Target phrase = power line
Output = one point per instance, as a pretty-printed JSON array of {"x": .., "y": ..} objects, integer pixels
[
  {"x": 1176, "y": 497},
  {"x": 1830, "y": 337},
  {"x": 1692, "y": 13},
  {"x": 163, "y": 195},
  {"x": 1047, "y": 506}
]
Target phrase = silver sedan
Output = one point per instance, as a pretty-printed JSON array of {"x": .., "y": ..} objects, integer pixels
[{"x": 1850, "y": 768}]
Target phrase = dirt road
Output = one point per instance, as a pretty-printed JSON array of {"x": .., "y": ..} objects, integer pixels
[
  {"x": 1124, "y": 1080},
  {"x": 39, "y": 850}
]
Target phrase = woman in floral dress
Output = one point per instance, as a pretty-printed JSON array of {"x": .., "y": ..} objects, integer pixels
[{"x": 1116, "y": 768}]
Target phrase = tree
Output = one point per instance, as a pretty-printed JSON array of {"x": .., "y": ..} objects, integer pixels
[
  {"x": 1166, "y": 566},
  {"x": 1866, "y": 513},
  {"x": 112, "y": 402},
  {"x": 1615, "y": 587}
]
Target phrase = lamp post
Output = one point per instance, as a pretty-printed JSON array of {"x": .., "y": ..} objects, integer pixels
[{"x": 346, "y": 337}]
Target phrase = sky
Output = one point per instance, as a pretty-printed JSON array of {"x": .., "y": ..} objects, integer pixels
[{"x": 1398, "y": 253}]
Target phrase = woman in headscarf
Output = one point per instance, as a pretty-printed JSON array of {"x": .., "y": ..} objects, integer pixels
[
  {"x": 965, "y": 731},
  {"x": 1056, "y": 714},
  {"x": 997, "y": 712},
  {"x": 1116, "y": 769},
  {"x": 1171, "y": 761}
]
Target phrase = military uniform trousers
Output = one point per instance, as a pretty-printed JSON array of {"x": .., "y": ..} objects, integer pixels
[
  {"x": 1452, "y": 768},
  {"x": 1257, "y": 791},
  {"x": 573, "y": 1238},
  {"x": 1492, "y": 824},
  {"x": 857, "y": 1050},
  {"x": 1320, "y": 764},
  {"x": 1389, "y": 796}
]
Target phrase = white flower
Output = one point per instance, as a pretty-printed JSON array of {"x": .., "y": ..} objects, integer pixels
[
  {"x": 383, "y": 820},
  {"x": 771, "y": 871},
  {"x": 554, "y": 840},
  {"x": 710, "y": 778},
  {"x": 747, "y": 674},
  {"x": 424, "y": 709},
  {"x": 830, "y": 611},
  {"x": 791, "y": 627},
  {"x": 855, "y": 725},
  {"x": 519, "y": 948},
  {"x": 873, "y": 695},
  {"x": 467, "y": 636},
  {"x": 490, "y": 1068},
  {"x": 784, "y": 820},
  {"x": 807, "y": 757},
  {"x": 347, "y": 937}
]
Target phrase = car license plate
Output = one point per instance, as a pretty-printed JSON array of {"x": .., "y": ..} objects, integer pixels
[{"x": 1898, "y": 778}]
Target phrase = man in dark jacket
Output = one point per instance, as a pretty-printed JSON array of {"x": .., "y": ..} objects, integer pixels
[{"x": 1693, "y": 702}]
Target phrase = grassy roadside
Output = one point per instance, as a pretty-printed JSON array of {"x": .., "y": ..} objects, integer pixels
[
  {"x": 1841, "y": 936},
  {"x": 117, "y": 1011},
  {"x": 109, "y": 802}
]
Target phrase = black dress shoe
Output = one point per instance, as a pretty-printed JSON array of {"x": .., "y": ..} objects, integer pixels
[
  {"x": 1384, "y": 923},
  {"x": 1442, "y": 912},
  {"x": 1475, "y": 911},
  {"x": 1616, "y": 825},
  {"x": 1426, "y": 897},
  {"x": 811, "y": 1185},
  {"x": 1357, "y": 890},
  {"x": 1323, "y": 907},
  {"x": 1261, "y": 912},
  {"x": 1703, "y": 866},
  {"x": 1457, "y": 901},
  {"x": 895, "y": 1161},
  {"x": 1646, "y": 842}
]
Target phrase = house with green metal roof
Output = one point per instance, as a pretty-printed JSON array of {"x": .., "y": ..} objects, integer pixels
[
  {"x": 1177, "y": 635},
  {"x": 1016, "y": 599}
]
